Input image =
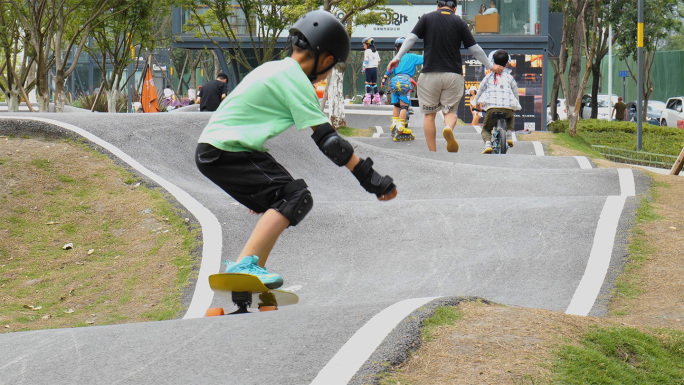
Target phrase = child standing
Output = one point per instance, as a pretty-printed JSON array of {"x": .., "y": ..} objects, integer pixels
[
  {"x": 231, "y": 150},
  {"x": 400, "y": 88},
  {"x": 497, "y": 93},
  {"x": 371, "y": 60}
]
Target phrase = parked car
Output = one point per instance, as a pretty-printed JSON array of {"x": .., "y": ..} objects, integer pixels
[
  {"x": 604, "y": 104},
  {"x": 672, "y": 112},
  {"x": 561, "y": 110},
  {"x": 652, "y": 114}
]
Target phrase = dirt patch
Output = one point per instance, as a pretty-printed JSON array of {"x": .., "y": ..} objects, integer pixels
[
  {"x": 509, "y": 345},
  {"x": 494, "y": 344},
  {"x": 81, "y": 242}
]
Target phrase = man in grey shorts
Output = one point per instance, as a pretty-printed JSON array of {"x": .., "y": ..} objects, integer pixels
[{"x": 440, "y": 84}]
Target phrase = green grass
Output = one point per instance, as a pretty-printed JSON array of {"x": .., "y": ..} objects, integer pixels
[
  {"x": 444, "y": 315},
  {"x": 655, "y": 139},
  {"x": 622, "y": 356},
  {"x": 358, "y": 132},
  {"x": 628, "y": 285}
]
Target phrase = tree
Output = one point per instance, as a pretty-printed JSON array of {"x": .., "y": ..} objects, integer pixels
[
  {"x": 559, "y": 63},
  {"x": 57, "y": 30},
  {"x": 662, "y": 18},
  {"x": 259, "y": 22},
  {"x": 125, "y": 27},
  {"x": 16, "y": 59},
  {"x": 606, "y": 16},
  {"x": 575, "y": 86}
]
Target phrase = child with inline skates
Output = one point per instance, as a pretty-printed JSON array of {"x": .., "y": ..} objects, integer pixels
[
  {"x": 371, "y": 60},
  {"x": 400, "y": 88}
]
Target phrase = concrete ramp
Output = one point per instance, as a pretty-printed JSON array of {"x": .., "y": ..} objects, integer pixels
[{"x": 519, "y": 229}]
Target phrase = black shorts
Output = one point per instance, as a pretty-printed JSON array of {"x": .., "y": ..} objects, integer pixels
[
  {"x": 371, "y": 75},
  {"x": 254, "y": 179}
]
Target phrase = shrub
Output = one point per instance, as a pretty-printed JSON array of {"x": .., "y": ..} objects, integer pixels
[
  {"x": 655, "y": 139},
  {"x": 86, "y": 101}
]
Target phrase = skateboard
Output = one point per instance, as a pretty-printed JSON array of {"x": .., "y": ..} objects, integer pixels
[{"x": 246, "y": 290}]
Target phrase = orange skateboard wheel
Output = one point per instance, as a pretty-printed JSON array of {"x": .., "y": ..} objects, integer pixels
[
  {"x": 215, "y": 311},
  {"x": 268, "y": 308}
]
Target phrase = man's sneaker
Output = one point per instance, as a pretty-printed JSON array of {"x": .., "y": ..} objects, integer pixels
[
  {"x": 452, "y": 144},
  {"x": 488, "y": 148},
  {"x": 510, "y": 142},
  {"x": 248, "y": 265}
]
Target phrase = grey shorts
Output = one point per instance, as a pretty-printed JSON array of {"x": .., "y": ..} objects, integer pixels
[{"x": 440, "y": 91}]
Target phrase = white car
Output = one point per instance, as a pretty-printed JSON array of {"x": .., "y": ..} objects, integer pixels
[
  {"x": 561, "y": 110},
  {"x": 672, "y": 112},
  {"x": 605, "y": 107}
]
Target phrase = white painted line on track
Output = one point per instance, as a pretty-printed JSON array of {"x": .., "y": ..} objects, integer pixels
[
  {"x": 627, "y": 186},
  {"x": 364, "y": 112},
  {"x": 538, "y": 148},
  {"x": 378, "y": 131},
  {"x": 211, "y": 228},
  {"x": 353, "y": 354},
  {"x": 602, "y": 249},
  {"x": 583, "y": 162},
  {"x": 599, "y": 259}
]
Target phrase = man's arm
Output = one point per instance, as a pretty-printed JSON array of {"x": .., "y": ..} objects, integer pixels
[{"x": 479, "y": 54}]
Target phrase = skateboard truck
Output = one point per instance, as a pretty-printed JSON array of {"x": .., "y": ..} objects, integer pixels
[{"x": 241, "y": 299}]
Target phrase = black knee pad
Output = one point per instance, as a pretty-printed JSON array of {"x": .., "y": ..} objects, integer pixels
[{"x": 296, "y": 201}]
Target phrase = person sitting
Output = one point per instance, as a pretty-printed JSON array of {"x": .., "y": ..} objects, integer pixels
[
  {"x": 497, "y": 93},
  {"x": 492, "y": 8}
]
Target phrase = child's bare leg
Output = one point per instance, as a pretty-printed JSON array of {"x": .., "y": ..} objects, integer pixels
[
  {"x": 430, "y": 131},
  {"x": 396, "y": 112},
  {"x": 265, "y": 235},
  {"x": 403, "y": 111}
]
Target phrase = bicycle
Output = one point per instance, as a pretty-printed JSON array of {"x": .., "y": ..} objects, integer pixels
[{"x": 499, "y": 146}]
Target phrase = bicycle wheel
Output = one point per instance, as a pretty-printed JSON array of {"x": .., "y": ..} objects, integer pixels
[{"x": 503, "y": 143}]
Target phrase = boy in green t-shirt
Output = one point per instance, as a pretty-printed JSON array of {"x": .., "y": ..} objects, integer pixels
[{"x": 231, "y": 148}]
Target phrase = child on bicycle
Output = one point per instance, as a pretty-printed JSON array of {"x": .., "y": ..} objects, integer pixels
[
  {"x": 231, "y": 150},
  {"x": 371, "y": 61},
  {"x": 400, "y": 88},
  {"x": 497, "y": 93}
]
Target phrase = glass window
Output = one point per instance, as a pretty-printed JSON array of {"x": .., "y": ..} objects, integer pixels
[{"x": 515, "y": 17}]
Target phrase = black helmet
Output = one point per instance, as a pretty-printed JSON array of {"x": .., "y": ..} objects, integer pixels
[
  {"x": 323, "y": 32},
  {"x": 447, "y": 3}
]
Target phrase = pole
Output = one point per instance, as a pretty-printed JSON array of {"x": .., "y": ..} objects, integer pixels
[
  {"x": 640, "y": 81},
  {"x": 610, "y": 63}
]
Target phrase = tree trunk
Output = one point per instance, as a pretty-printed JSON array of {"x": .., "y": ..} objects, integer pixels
[
  {"x": 336, "y": 98},
  {"x": 112, "y": 97},
  {"x": 42, "y": 89},
  {"x": 557, "y": 77},
  {"x": 574, "y": 98},
  {"x": 13, "y": 97},
  {"x": 595, "y": 81},
  {"x": 60, "y": 95}
]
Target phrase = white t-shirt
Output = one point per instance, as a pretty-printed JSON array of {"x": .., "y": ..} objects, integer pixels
[
  {"x": 371, "y": 59},
  {"x": 490, "y": 11}
]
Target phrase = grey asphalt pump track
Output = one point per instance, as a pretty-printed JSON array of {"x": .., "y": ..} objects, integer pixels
[{"x": 520, "y": 229}]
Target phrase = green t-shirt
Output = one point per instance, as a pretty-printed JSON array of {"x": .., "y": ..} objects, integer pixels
[{"x": 269, "y": 100}]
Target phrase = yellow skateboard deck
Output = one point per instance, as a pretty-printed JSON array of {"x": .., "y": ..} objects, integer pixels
[{"x": 246, "y": 290}]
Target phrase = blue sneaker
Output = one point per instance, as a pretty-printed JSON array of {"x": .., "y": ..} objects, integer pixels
[{"x": 248, "y": 265}]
